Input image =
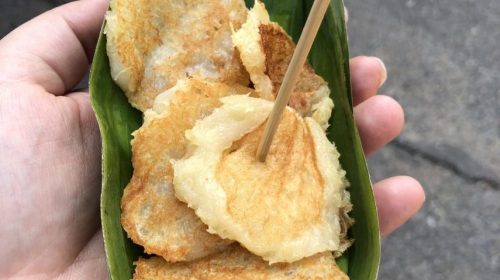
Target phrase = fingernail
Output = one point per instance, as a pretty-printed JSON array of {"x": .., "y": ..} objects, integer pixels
[{"x": 384, "y": 71}]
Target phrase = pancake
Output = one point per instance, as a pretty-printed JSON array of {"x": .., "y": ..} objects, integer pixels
[
  {"x": 153, "y": 43},
  {"x": 237, "y": 263},
  {"x": 266, "y": 50},
  {"x": 151, "y": 215},
  {"x": 248, "y": 42},
  {"x": 290, "y": 207}
]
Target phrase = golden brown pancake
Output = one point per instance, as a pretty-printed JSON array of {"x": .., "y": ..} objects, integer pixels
[
  {"x": 151, "y": 215},
  {"x": 285, "y": 209},
  {"x": 185, "y": 47},
  {"x": 237, "y": 263},
  {"x": 248, "y": 42},
  {"x": 266, "y": 50},
  {"x": 153, "y": 43}
]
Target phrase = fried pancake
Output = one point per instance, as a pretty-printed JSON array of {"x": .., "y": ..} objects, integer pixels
[
  {"x": 237, "y": 263},
  {"x": 285, "y": 209},
  {"x": 153, "y": 43},
  {"x": 151, "y": 215},
  {"x": 266, "y": 50},
  {"x": 248, "y": 42},
  {"x": 311, "y": 95}
]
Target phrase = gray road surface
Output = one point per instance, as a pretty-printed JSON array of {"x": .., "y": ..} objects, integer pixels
[{"x": 443, "y": 61}]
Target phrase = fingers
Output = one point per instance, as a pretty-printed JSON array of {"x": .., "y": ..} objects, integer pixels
[
  {"x": 398, "y": 199},
  {"x": 54, "y": 49},
  {"x": 379, "y": 119},
  {"x": 367, "y": 75}
]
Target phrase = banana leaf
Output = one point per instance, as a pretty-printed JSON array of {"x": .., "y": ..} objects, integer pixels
[{"x": 329, "y": 57}]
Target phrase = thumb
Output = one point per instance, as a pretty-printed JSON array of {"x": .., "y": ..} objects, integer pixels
[{"x": 54, "y": 49}]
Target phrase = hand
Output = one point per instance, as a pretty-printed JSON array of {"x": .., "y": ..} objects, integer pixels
[
  {"x": 50, "y": 147},
  {"x": 380, "y": 119}
]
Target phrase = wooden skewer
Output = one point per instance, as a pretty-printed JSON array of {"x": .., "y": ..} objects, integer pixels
[{"x": 299, "y": 57}]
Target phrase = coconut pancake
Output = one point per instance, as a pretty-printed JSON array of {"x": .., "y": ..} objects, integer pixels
[
  {"x": 151, "y": 215},
  {"x": 285, "y": 209},
  {"x": 248, "y": 42},
  {"x": 266, "y": 50},
  {"x": 153, "y": 43},
  {"x": 238, "y": 263}
]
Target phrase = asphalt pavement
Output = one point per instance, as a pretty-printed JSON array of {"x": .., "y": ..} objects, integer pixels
[{"x": 443, "y": 62}]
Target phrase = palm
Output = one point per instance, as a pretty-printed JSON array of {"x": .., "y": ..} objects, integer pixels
[
  {"x": 50, "y": 164},
  {"x": 50, "y": 172},
  {"x": 50, "y": 147}
]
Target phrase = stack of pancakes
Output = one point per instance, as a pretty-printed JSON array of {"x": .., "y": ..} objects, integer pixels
[{"x": 205, "y": 74}]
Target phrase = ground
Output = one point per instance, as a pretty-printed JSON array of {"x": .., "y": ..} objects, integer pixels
[
  {"x": 442, "y": 58},
  {"x": 443, "y": 64}
]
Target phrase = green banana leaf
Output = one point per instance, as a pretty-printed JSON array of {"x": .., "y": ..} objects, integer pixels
[
  {"x": 117, "y": 120},
  {"x": 329, "y": 57}
]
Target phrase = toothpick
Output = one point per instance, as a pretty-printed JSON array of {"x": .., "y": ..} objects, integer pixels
[{"x": 299, "y": 57}]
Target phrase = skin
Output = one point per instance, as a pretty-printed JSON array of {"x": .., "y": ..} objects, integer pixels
[{"x": 50, "y": 147}]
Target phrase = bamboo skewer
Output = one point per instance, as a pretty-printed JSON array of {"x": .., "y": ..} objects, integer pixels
[{"x": 297, "y": 62}]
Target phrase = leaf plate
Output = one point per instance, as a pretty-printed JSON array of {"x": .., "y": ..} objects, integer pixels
[{"x": 329, "y": 57}]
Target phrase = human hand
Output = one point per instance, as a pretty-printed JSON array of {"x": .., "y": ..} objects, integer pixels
[
  {"x": 50, "y": 146},
  {"x": 380, "y": 119}
]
